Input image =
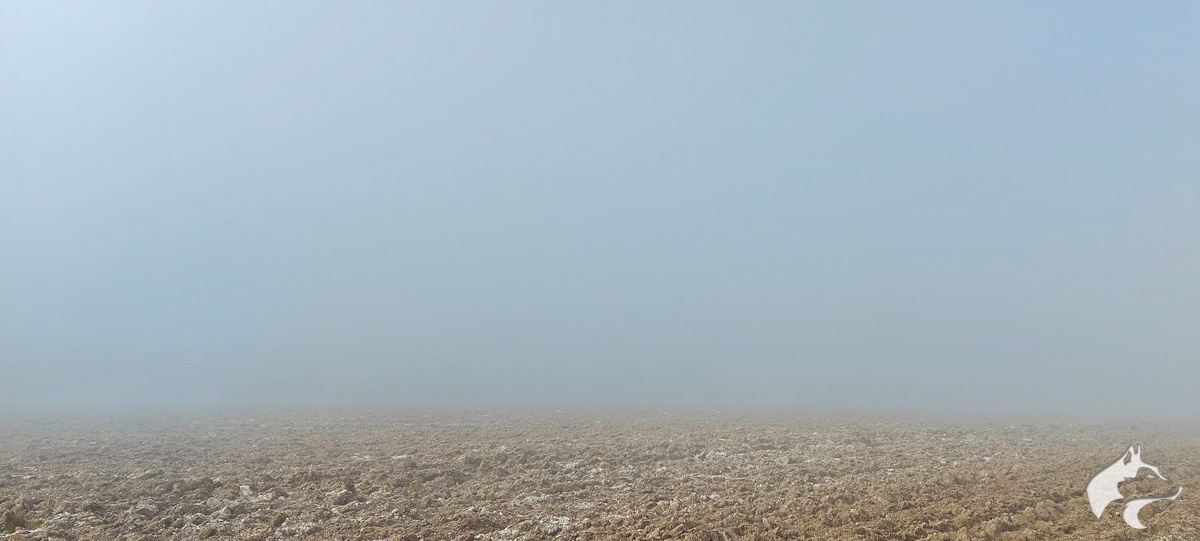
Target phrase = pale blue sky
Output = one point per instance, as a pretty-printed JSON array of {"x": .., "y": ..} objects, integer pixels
[{"x": 941, "y": 206}]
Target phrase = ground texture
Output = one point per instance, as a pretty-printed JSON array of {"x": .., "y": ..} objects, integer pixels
[{"x": 509, "y": 475}]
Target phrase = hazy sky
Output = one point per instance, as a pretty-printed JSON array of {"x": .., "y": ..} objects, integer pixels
[{"x": 872, "y": 205}]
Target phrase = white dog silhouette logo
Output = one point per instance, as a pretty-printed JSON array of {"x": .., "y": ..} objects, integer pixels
[{"x": 1102, "y": 489}]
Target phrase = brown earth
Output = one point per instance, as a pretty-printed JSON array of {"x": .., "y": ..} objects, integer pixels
[{"x": 506, "y": 476}]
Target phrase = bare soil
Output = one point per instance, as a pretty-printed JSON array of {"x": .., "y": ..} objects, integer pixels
[{"x": 511, "y": 475}]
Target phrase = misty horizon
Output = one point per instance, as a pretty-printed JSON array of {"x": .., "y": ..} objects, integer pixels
[{"x": 931, "y": 208}]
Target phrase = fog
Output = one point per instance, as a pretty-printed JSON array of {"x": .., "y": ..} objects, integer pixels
[{"x": 928, "y": 207}]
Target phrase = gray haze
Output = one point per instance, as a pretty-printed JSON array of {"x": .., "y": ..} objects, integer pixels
[{"x": 931, "y": 206}]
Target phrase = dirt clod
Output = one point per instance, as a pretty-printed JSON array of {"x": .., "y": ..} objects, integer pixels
[{"x": 12, "y": 521}]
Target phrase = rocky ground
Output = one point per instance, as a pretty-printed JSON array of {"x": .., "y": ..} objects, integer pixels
[{"x": 507, "y": 476}]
